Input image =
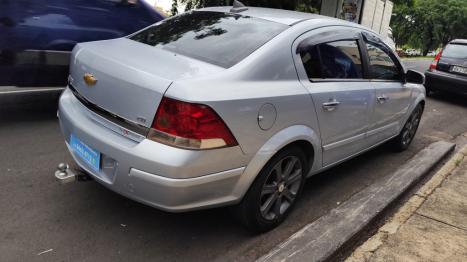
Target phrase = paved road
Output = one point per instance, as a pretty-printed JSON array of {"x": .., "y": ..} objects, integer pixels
[
  {"x": 86, "y": 222},
  {"x": 420, "y": 65}
]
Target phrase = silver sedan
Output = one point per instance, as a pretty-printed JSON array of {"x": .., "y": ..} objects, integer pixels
[{"x": 234, "y": 106}]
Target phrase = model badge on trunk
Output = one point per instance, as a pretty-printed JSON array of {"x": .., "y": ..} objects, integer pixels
[{"x": 89, "y": 79}]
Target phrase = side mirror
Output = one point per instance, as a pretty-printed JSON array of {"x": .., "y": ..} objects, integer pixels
[{"x": 414, "y": 77}]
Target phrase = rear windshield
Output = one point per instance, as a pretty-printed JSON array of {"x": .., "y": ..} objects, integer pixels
[
  {"x": 455, "y": 51},
  {"x": 222, "y": 39}
]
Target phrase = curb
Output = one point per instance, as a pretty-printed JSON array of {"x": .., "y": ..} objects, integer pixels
[
  {"x": 363, "y": 252},
  {"x": 321, "y": 239}
]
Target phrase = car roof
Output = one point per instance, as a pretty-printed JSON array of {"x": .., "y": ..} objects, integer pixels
[
  {"x": 276, "y": 15},
  {"x": 459, "y": 41}
]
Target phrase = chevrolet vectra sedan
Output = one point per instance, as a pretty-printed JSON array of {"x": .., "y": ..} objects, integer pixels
[{"x": 234, "y": 106}]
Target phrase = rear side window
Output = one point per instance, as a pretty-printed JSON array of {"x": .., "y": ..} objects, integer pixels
[
  {"x": 336, "y": 60},
  {"x": 455, "y": 51},
  {"x": 381, "y": 65},
  {"x": 219, "y": 38}
]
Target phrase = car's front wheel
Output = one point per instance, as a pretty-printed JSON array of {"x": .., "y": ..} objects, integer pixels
[
  {"x": 429, "y": 90},
  {"x": 405, "y": 137},
  {"x": 275, "y": 191}
]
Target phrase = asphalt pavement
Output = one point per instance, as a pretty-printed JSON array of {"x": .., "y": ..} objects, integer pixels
[{"x": 41, "y": 220}]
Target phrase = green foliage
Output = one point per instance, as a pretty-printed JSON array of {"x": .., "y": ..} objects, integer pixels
[
  {"x": 174, "y": 9},
  {"x": 428, "y": 24}
]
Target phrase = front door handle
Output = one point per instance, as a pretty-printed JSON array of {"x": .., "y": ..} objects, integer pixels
[
  {"x": 382, "y": 99},
  {"x": 331, "y": 105}
]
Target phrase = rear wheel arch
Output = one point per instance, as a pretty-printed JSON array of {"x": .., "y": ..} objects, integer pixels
[
  {"x": 422, "y": 104},
  {"x": 272, "y": 194},
  {"x": 304, "y": 137},
  {"x": 306, "y": 147},
  {"x": 303, "y": 145}
]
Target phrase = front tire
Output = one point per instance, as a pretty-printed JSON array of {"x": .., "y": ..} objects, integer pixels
[
  {"x": 429, "y": 91},
  {"x": 275, "y": 191},
  {"x": 405, "y": 137}
]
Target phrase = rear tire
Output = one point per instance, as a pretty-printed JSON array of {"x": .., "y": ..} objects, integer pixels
[
  {"x": 405, "y": 137},
  {"x": 275, "y": 191}
]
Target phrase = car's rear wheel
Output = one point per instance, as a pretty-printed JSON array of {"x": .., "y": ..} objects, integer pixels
[
  {"x": 405, "y": 137},
  {"x": 275, "y": 191}
]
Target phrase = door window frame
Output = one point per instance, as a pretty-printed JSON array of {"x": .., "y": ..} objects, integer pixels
[
  {"x": 334, "y": 33},
  {"x": 377, "y": 42}
]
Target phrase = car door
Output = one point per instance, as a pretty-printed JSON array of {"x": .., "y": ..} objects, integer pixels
[
  {"x": 330, "y": 66},
  {"x": 392, "y": 97}
]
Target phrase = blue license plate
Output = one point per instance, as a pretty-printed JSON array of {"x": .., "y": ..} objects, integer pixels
[{"x": 85, "y": 152}]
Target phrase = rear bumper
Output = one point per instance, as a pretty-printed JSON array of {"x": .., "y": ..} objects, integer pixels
[
  {"x": 158, "y": 175},
  {"x": 446, "y": 82}
]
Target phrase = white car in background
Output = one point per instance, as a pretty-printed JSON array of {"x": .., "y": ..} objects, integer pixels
[{"x": 412, "y": 52}]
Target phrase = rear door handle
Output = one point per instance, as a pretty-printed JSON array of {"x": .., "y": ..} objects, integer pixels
[
  {"x": 331, "y": 105},
  {"x": 382, "y": 99}
]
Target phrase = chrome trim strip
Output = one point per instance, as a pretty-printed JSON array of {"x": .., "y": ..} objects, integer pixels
[
  {"x": 344, "y": 142},
  {"x": 118, "y": 120},
  {"x": 381, "y": 129},
  {"x": 354, "y": 155},
  {"x": 114, "y": 127}
]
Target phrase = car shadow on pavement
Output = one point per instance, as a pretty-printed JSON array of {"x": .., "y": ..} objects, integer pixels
[
  {"x": 28, "y": 107},
  {"x": 183, "y": 235},
  {"x": 456, "y": 99},
  {"x": 110, "y": 227}
]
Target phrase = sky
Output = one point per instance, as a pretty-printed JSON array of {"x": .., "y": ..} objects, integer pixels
[{"x": 165, "y": 4}]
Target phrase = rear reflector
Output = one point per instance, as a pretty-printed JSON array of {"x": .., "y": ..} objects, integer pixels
[
  {"x": 189, "y": 125},
  {"x": 435, "y": 61}
]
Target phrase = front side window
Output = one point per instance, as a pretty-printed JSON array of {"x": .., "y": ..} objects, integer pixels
[
  {"x": 381, "y": 65},
  {"x": 222, "y": 39},
  {"x": 335, "y": 60}
]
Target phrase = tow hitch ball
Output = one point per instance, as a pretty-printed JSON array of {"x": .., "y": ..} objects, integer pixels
[{"x": 65, "y": 174}]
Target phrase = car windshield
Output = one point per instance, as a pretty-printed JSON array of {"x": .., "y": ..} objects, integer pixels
[
  {"x": 222, "y": 39},
  {"x": 455, "y": 51}
]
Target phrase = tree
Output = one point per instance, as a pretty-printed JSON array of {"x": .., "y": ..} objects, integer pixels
[
  {"x": 401, "y": 24},
  {"x": 174, "y": 9},
  {"x": 428, "y": 24}
]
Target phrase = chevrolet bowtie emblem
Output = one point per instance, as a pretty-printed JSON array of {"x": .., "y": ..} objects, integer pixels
[{"x": 89, "y": 79}]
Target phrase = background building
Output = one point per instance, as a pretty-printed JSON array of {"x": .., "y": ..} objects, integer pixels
[{"x": 374, "y": 14}]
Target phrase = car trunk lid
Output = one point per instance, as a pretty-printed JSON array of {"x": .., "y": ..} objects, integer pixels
[
  {"x": 446, "y": 64},
  {"x": 131, "y": 78}
]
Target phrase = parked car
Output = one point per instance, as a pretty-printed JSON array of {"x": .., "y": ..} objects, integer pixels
[
  {"x": 37, "y": 36},
  {"x": 412, "y": 52},
  {"x": 400, "y": 52},
  {"x": 238, "y": 106},
  {"x": 448, "y": 71},
  {"x": 432, "y": 53}
]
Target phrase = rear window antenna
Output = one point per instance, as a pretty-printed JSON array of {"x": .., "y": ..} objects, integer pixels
[{"x": 238, "y": 7}]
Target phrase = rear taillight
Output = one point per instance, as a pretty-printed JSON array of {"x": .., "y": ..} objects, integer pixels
[
  {"x": 435, "y": 61},
  {"x": 189, "y": 125}
]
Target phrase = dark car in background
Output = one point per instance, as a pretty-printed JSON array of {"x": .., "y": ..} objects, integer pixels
[
  {"x": 37, "y": 36},
  {"x": 448, "y": 72}
]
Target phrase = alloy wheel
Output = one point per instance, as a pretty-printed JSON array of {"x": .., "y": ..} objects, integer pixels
[
  {"x": 281, "y": 188},
  {"x": 411, "y": 126}
]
